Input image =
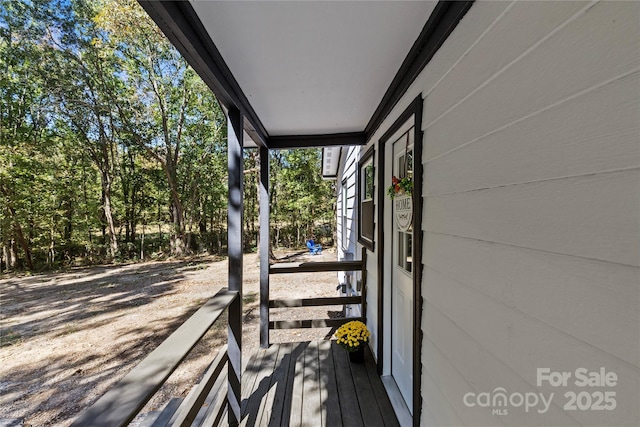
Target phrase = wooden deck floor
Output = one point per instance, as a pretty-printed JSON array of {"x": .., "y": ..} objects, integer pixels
[{"x": 313, "y": 384}]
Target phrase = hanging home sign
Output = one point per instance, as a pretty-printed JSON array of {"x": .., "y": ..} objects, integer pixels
[{"x": 403, "y": 209}]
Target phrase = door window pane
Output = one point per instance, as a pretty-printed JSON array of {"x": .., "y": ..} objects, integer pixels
[{"x": 405, "y": 248}]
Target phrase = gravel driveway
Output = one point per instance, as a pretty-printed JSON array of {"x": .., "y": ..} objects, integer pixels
[{"x": 67, "y": 337}]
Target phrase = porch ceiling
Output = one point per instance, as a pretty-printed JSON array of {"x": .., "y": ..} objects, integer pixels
[
  {"x": 308, "y": 73},
  {"x": 313, "y": 67}
]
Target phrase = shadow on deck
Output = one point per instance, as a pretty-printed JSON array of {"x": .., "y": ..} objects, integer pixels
[
  {"x": 290, "y": 384},
  {"x": 313, "y": 384}
]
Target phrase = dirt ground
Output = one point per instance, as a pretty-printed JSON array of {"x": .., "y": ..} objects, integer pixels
[{"x": 66, "y": 338}]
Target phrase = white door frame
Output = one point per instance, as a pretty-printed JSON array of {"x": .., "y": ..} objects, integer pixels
[
  {"x": 411, "y": 117},
  {"x": 397, "y": 387}
]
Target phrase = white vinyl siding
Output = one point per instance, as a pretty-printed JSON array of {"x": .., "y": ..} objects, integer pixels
[
  {"x": 348, "y": 247},
  {"x": 347, "y": 235},
  {"x": 531, "y": 207}
]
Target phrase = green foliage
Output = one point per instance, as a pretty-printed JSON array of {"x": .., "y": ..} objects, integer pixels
[
  {"x": 301, "y": 200},
  {"x": 111, "y": 147}
]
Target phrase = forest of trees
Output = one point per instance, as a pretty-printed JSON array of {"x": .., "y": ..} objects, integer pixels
[{"x": 112, "y": 147}]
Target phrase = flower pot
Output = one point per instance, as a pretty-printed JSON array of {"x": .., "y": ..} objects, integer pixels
[{"x": 357, "y": 356}]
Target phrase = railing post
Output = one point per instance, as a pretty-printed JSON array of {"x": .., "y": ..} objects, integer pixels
[
  {"x": 234, "y": 244},
  {"x": 265, "y": 244},
  {"x": 363, "y": 289}
]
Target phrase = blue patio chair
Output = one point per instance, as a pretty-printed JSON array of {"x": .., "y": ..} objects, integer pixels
[{"x": 313, "y": 248}]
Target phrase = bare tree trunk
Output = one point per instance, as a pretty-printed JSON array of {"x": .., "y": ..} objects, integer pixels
[
  {"x": 52, "y": 245},
  {"x": 3, "y": 258},
  {"x": 12, "y": 258},
  {"x": 132, "y": 214},
  {"x": 108, "y": 214},
  {"x": 22, "y": 241},
  {"x": 24, "y": 244},
  {"x": 85, "y": 200},
  {"x": 220, "y": 234},
  {"x": 68, "y": 224},
  {"x": 142, "y": 244},
  {"x": 177, "y": 239}
]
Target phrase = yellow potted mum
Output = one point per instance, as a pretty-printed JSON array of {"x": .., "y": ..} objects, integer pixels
[{"x": 352, "y": 336}]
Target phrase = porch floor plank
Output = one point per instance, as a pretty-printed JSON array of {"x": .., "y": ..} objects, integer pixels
[
  {"x": 285, "y": 399},
  {"x": 271, "y": 409},
  {"x": 349, "y": 405},
  {"x": 371, "y": 417},
  {"x": 329, "y": 393},
  {"x": 384, "y": 405},
  {"x": 311, "y": 408},
  {"x": 249, "y": 375},
  {"x": 295, "y": 411},
  {"x": 313, "y": 384},
  {"x": 258, "y": 391}
]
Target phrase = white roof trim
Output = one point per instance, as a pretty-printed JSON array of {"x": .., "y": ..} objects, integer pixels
[{"x": 331, "y": 162}]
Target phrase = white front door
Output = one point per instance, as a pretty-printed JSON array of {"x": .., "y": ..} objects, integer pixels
[{"x": 402, "y": 281}]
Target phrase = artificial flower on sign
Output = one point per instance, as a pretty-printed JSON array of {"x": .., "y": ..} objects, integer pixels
[{"x": 400, "y": 186}]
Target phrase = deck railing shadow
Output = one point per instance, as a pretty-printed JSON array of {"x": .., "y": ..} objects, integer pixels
[
  {"x": 313, "y": 383},
  {"x": 273, "y": 394},
  {"x": 120, "y": 405}
]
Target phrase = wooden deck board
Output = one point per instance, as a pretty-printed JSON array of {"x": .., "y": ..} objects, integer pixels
[
  {"x": 287, "y": 396},
  {"x": 210, "y": 414},
  {"x": 371, "y": 417},
  {"x": 276, "y": 383},
  {"x": 329, "y": 401},
  {"x": 295, "y": 418},
  {"x": 311, "y": 387},
  {"x": 384, "y": 405},
  {"x": 264, "y": 371},
  {"x": 313, "y": 384},
  {"x": 349, "y": 405},
  {"x": 249, "y": 375}
]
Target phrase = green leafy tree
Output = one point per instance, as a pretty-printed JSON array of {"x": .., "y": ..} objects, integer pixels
[
  {"x": 170, "y": 110},
  {"x": 300, "y": 199},
  {"x": 83, "y": 79},
  {"x": 24, "y": 131}
]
